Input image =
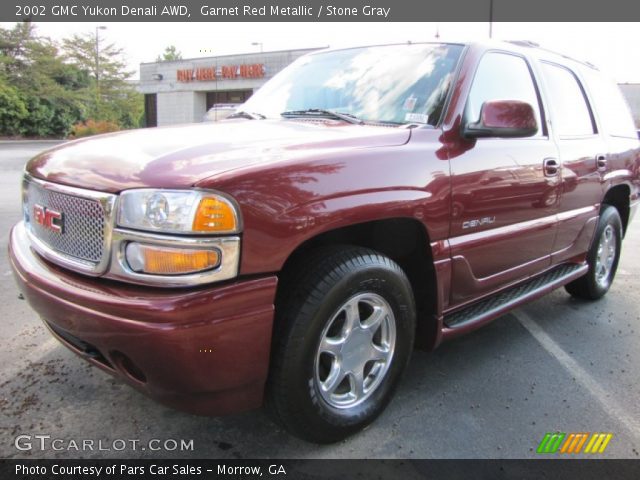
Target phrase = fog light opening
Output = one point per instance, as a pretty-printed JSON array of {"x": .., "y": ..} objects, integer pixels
[
  {"x": 128, "y": 367},
  {"x": 161, "y": 260}
]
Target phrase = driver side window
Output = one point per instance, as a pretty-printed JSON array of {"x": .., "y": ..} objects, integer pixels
[{"x": 502, "y": 76}]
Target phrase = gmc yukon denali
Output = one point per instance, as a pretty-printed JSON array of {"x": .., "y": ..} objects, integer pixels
[{"x": 365, "y": 201}]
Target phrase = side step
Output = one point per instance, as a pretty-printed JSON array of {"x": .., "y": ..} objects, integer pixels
[{"x": 504, "y": 301}]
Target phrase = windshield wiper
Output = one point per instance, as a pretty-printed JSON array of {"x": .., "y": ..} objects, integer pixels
[
  {"x": 319, "y": 112},
  {"x": 249, "y": 115}
]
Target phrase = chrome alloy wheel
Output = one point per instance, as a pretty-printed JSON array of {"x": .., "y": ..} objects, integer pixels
[
  {"x": 606, "y": 256},
  {"x": 355, "y": 350}
]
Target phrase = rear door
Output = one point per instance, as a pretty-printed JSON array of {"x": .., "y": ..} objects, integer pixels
[
  {"x": 583, "y": 154},
  {"x": 504, "y": 190}
]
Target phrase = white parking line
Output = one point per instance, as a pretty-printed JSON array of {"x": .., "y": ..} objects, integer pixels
[
  {"x": 23, "y": 362},
  {"x": 608, "y": 404}
]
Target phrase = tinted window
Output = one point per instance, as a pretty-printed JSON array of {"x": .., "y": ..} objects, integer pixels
[
  {"x": 501, "y": 76},
  {"x": 572, "y": 114},
  {"x": 612, "y": 108}
]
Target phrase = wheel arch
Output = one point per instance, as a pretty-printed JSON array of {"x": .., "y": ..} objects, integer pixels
[
  {"x": 404, "y": 240},
  {"x": 618, "y": 196}
]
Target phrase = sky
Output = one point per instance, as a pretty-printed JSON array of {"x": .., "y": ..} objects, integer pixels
[{"x": 613, "y": 47}]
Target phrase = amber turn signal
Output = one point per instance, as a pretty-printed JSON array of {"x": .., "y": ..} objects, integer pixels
[
  {"x": 215, "y": 215},
  {"x": 159, "y": 260}
]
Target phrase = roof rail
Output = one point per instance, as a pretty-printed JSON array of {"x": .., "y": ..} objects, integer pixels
[
  {"x": 529, "y": 43},
  {"x": 524, "y": 43}
]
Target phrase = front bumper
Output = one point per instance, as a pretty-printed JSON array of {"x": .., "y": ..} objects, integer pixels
[{"x": 203, "y": 350}]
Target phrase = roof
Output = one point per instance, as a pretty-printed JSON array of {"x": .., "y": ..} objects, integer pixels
[{"x": 524, "y": 46}]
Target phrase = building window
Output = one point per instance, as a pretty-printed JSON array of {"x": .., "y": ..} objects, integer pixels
[{"x": 229, "y": 96}]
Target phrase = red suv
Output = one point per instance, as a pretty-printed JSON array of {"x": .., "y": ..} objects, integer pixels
[{"x": 363, "y": 201}]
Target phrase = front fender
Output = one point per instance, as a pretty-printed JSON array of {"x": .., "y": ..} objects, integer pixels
[{"x": 268, "y": 250}]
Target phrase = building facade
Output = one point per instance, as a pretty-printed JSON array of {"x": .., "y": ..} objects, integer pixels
[
  {"x": 182, "y": 91},
  {"x": 631, "y": 92}
]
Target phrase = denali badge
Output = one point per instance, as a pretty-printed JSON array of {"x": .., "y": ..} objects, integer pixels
[
  {"x": 48, "y": 218},
  {"x": 479, "y": 222}
]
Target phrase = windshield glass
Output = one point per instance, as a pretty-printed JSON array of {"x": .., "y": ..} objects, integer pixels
[{"x": 396, "y": 83}]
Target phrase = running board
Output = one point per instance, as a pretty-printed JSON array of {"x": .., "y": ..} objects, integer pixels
[{"x": 500, "y": 303}]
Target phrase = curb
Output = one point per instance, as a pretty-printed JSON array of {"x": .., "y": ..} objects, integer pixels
[{"x": 16, "y": 142}]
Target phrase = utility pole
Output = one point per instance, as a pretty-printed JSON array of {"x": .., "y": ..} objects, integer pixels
[
  {"x": 490, "y": 18},
  {"x": 98, "y": 28}
]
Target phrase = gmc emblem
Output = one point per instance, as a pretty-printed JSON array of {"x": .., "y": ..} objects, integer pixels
[{"x": 49, "y": 219}]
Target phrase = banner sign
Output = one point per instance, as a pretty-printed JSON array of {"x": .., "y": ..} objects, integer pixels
[{"x": 316, "y": 10}]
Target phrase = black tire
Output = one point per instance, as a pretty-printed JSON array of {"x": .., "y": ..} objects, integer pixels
[
  {"x": 307, "y": 308},
  {"x": 590, "y": 286}
]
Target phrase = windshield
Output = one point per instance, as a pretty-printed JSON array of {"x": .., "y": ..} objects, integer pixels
[{"x": 390, "y": 84}]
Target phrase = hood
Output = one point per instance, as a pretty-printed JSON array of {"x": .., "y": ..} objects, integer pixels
[{"x": 180, "y": 156}]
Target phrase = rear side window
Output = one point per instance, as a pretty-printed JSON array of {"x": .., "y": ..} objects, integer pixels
[
  {"x": 613, "y": 110},
  {"x": 502, "y": 76},
  {"x": 572, "y": 114}
]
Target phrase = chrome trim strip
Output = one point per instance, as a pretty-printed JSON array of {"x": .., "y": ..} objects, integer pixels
[
  {"x": 498, "y": 233},
  {"x": 229, "y": 248},
  {"x": 106, "y": 200}
]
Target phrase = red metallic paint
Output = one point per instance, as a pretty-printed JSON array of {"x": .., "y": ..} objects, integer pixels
[
  {"x": 286, "y": 204},
  {"x": 296, "y": 179},
  {"x": 165, "y": 333},
  {"x": 508, "y": 114},
  {"x": 180, "y": 156}
]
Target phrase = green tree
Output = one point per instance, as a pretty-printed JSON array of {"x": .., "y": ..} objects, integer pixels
[
  {"x": 170, "y": 54},
  {"x": 13, "y": 110},
  {"x": 36, "y": 79},
  {"x": 13, "y": 48},
  {"x": 46, "y": 88},
  {"x": 111, "y": 96}
]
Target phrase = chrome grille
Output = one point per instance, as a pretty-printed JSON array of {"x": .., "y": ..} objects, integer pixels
[{"x": 86, "y": 226}]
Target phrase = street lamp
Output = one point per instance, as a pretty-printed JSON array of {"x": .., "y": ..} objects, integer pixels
[
  {"x": 255, "y": 44},
  {"x": 98, "y": 28}
]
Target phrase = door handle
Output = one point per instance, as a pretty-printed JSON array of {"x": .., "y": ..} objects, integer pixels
[
  {"x": 601, "y": 161},
  {"x": 551, "y": 167}
]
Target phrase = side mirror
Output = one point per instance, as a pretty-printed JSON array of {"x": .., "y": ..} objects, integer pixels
[{"x": 503, "y": 118}]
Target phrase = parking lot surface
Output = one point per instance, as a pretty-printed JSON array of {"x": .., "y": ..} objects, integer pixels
[{"x": 555, "y": 365}]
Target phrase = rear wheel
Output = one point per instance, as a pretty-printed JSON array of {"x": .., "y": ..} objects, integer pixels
[
  {"x": 345, "y": 332},
  {"x": 603, "y": 257}
]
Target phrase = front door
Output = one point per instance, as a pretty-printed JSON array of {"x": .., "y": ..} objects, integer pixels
[{"x": 504, "y": 190}]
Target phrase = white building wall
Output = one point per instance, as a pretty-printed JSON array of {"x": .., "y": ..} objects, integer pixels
[
  {"x": 631, "y": 91},
  {"x": 181, "y": 107}
]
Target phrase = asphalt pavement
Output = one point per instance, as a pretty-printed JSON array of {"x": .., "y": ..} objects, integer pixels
[{"x": 555, "y": 365}]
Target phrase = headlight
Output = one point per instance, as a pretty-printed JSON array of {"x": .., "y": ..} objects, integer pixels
[{"x": 177, "y": 211}]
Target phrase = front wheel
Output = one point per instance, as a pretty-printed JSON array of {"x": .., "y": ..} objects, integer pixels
[
  {"x": 346, "y": 331},
  {"x": 603, "y": 257}
]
